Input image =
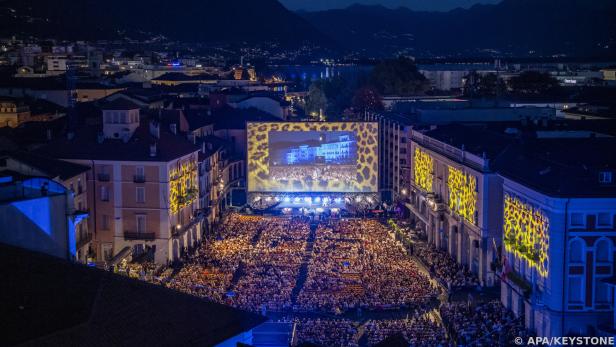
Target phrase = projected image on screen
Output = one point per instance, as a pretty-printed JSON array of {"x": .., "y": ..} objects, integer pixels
[{"x": 312, "y": 157}]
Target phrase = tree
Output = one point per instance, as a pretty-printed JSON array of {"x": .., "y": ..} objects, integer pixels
[
  {"x": 367, "y": 99},
  {"x": 316, "y": 101},
  {"x": 398, "y": 77},
  {"x": 484, "y": 85},
  {"x": 533, "y": 83}
]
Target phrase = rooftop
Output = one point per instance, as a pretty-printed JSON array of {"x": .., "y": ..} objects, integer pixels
[
  {"x": 53, "y": 302},
  {"x": 475, "y": 140},
  {"x": 85, "y": 145},
  {"x": 50, "y": 166},
  {"x": 567, "y": 168}
]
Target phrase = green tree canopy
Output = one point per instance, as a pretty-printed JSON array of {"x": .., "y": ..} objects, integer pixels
[{"x": 398, "y": 77}]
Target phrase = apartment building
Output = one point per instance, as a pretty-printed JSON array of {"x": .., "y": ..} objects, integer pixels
[
  {"x": 559, "y": 234},
  {"x": 144, "y": 184}
]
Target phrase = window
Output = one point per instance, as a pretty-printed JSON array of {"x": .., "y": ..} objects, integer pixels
[
  {"x": 141, "y": 223},
  {"x": 602, "y": 251},
  {"x": 576, "y": 251},
  {"x": 140, "y": 195},
  {"x": 575, "y": 290},
  {"x": 602, "y": 292},
  {"x": 604, "y": 220},
  {"x": 605, "y": 177},
  {"x": 577, "y": 219},
  {"x": 105, "y": 222},
  {"x": 104, "y": 193}
]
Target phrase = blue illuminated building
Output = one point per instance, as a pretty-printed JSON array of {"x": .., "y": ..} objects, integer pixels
[{"x": 328, "y": 153}]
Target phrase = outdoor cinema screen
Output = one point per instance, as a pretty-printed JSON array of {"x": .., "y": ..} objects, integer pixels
[{"x": 313, "y": 157}]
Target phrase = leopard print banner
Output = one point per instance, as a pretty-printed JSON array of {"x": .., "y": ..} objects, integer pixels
[{"x": 366, "y": 178}]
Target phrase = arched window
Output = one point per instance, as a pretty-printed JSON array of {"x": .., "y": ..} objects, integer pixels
[
  {"x": 576, "y": 251},
  {"x": 602, "y": 251}
]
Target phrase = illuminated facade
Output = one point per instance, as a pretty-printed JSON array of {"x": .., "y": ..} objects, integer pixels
[
  {"x": 450, "y": 194},
  {"x": 525, "y": 233},
  {"x": 183, "y": 188},
  {"x": 462, "y": 194},
  {"x": 423, "y": 170},
  {"x": 557, "y": 259}
]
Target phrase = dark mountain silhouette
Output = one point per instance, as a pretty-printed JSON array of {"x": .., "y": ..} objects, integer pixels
[
  {"x": 228, "y": 21},
  {"x": 579, "y": 27}
]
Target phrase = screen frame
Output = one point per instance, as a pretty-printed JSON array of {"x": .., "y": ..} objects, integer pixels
[{"x": 378, "y": 158}]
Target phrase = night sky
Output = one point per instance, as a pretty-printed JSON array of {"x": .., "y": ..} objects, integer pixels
[{"x": 419, "y": 5}]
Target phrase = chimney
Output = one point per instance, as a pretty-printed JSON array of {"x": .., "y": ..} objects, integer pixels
[
  {"x": 155, "y": 129},
  {"x": 153, "y": 150}
]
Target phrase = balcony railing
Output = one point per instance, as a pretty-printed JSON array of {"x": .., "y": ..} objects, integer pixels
[
  {"x": 139, "y": 178},
  {"x": 128, "y": 235},
  {"x": 103, "y": 177}
]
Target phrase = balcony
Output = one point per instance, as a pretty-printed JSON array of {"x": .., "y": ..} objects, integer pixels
[
  {"x": 139, "y": 178},
  {"x": 103, "y": 177},
  {"x": 139, "y": 236}
]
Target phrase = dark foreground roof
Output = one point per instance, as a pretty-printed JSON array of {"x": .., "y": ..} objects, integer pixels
[
  {"x": 50, "y": 166},
  {"x": 47, "y": 301}
]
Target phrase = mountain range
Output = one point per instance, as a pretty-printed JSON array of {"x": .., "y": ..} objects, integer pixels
[
  {"x": 519, "y": 27},
  {"x": 511, "y": 27},
  {"x": 227, "y": 21},
  {"x": 417, "y": 5}
]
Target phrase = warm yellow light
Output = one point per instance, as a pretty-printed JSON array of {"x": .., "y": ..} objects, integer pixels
[
  {"x": 525, "y": 232},
  {"x": 423, "y": 170},
  {"x": 182, "y": 185},
  {"x": 462, "y": 194}
]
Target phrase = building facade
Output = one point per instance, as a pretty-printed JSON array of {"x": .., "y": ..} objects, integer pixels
[{"x": 451, "y": 196}]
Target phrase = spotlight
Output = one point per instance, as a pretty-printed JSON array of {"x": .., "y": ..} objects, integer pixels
[
  {"x": 317, "y": 199},
  {"x": 338, "y": 200},
  {"x": 297, "y": 200},
  {"x": 268, "y": 199},
  {"x": 276, "y": 199},
  {"x": 319, "y": 210},
  {"x": 257, "y": 198},
  {"x": 369, "y": 199},
  {"x": 308, "y": 199},
  {"x": 358, "y": 199},
  {"x": 287, "y": 199}
]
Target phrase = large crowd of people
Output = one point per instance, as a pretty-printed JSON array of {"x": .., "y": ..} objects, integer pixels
[
  {"x": 484, "y": 324},
  {"x": 339, "y": 269},
  {"x": 356, "y": 264},
  {"x": 417, "y": 331},
  {"x": 327, "y": 332},
  {"x": 444, "y": 267}
]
